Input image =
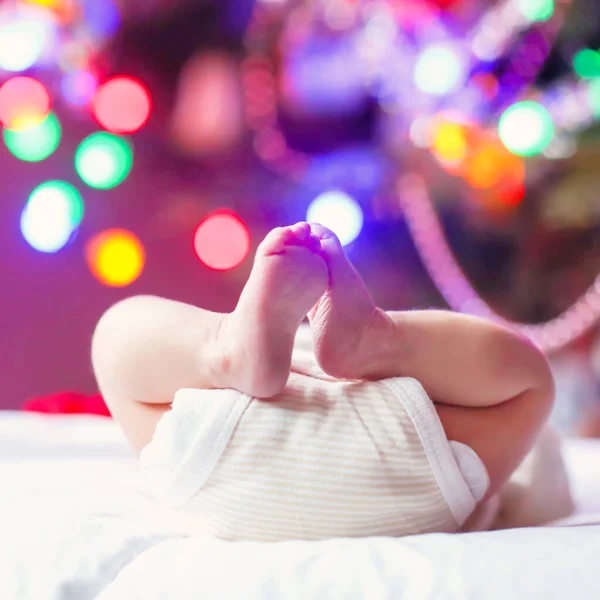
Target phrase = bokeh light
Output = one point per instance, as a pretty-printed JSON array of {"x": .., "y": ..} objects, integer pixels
[
  {"x": 321, "y": 78},
  {"x": 50, "y": 4},
  {"x": 449, "y": 143},
  {"x": 75, "y": 55},
  {"x": 78, "y": 88},
  {"x": 24, "y": 102},
  {"x": 102, "y": 17},
  {"x": 54, "y": 210},
  {"x": 104, "y": 160},
  {"x": 594, "y": 97},
  {"x": 222, "y": 241},
  {"x": 115, "y": 257},
  {"x": 537, "y": 10},
  {"x": 526, "y": 128},
  {"x": 419, "y": 132},
  {"x": 337, "y": 211},
  {"x": 440, "y": 70},
  {"x": 487, "y": 84},
  {"x": 586, "y": 63},
  {"x": 122, "y": 105},
  {"x": 24, "y": 35},
  {"x": 359, "y": 168},
  {"x": 493, "y": 165},
  {"x": 509, "y": 193},
  {"x": 34, "y": 143}
]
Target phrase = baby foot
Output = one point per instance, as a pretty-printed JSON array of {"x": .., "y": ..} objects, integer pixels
[
  {"x": 287, "y": 279},
  {"x": 346, "y": 324}
]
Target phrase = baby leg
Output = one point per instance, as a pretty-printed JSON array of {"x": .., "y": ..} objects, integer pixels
[
  {"x": 145, "y": 349},
  {"x": 492, "y": 388}
]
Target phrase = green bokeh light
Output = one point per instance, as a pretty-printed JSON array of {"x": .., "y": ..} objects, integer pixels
[
  {"x": 35, "y": 143},
  {"x": 586, "y": 63},
  {"x": 537, "y": 10},
  {"x": 526, "y": 128},
  {"x": 58, "y": 193},
  {"x": 104, "y": 160}
]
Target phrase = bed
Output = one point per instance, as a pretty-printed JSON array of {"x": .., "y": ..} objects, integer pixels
[{"x": 78, "y": 523}]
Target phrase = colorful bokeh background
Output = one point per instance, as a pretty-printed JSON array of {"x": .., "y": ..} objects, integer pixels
[{"x": 148, "y": 147}]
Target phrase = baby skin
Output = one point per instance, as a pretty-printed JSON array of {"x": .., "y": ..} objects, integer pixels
[{"x": 492, "y": 388}]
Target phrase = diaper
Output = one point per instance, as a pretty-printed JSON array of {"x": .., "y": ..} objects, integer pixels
[{"x": 323, "y": 459}]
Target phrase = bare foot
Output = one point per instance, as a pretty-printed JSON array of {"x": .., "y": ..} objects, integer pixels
[
  {"x": 347, "y": 326},
  {"x": 287, "y": 279}
]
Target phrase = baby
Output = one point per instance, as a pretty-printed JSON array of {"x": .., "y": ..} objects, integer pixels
[{"x": 393, "y": 424}]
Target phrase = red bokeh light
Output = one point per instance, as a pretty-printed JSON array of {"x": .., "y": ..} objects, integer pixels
[
  {"x": 222, "y": 241},
  {"x": 122, "y": 105},
  {"x": 24, "y": 102}
]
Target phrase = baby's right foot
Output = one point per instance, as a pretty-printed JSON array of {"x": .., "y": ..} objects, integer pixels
[{"x": 287, "y": 279}]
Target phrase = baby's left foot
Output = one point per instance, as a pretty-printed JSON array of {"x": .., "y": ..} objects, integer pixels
[
  {"x": 348, "y": 329},
  {"x": 287, "y": 279}
]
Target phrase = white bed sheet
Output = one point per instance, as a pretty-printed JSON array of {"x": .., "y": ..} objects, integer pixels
[{"x": 76, "y": 523}]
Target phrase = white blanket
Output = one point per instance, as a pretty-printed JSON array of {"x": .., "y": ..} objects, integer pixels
[
  {"x": 530, "y": 564},
  {"x": 76, "y": 524}
]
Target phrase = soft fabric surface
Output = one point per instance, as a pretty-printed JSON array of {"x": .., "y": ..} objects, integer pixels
[{"x": 77, "y": 524}]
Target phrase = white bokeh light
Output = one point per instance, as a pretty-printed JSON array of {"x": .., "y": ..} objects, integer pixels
[
  {"x": 24, "y": 36},
  {"x": 339, "y": 212},
  {"x": 46, "y": 221},
  {"x": 440, "y": 70}
]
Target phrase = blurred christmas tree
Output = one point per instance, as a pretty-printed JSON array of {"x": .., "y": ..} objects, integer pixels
[{"x": 486, "y": 114}]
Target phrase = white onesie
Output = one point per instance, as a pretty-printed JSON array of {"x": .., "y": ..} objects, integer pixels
[{"x": 323, "y": 459}]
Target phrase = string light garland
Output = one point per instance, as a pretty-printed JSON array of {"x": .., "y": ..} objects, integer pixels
[{"x": 444, "y": 270}]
